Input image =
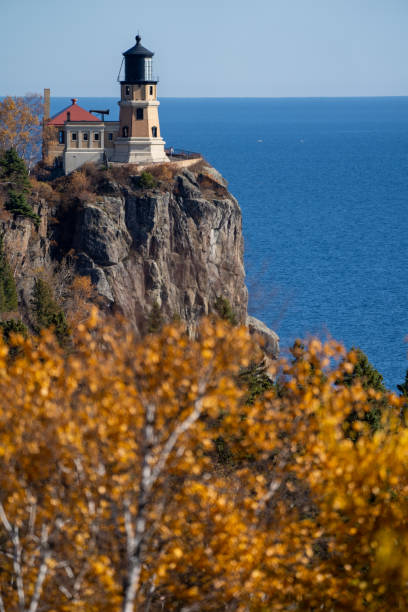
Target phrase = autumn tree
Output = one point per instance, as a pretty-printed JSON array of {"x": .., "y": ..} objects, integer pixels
[
  {"x": 112, "y": 495},
  {"x": 21, "y": 125},
  {"x": 79, "y": 296}
]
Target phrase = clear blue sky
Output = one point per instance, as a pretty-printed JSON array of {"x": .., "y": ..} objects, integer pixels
[{"x": 248, "y": 48}]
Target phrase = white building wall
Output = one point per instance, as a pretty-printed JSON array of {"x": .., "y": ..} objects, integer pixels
[
  {"x": 74, "y": 159},
  {"x": 82, "y": 151}
]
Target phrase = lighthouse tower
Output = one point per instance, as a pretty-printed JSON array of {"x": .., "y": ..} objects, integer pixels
[{"x": 139, "y": 138}]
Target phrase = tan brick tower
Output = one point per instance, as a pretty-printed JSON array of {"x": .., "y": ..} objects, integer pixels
[{"x": 139, "y": 133}]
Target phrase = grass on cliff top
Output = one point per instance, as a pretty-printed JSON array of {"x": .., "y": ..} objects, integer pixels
[{"x": 92, "y": 180}]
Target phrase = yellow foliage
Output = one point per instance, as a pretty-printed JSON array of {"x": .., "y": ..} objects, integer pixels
[
  {"x": 113, "y": 497},
  {"x": 20, "y": 125}
]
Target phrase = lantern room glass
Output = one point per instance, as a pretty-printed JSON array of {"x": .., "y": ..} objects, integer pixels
[{"x": 148, "y": 69}]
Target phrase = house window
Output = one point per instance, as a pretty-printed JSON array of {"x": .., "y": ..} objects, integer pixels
[
  {"x": 96, "y": 136},
  {"x": 110, "y": 136},
  {"x": 139, "y": 114},
  {"x": 154, "y": 132},
  {"x": 61, "y": 137},
  {"x": 125, "y": 132},
  {"x": 127, "y": 90},
  {"x": 73, "y": 136},
  {"x": 151, "y": 90},
  {"x": 85, "y": 136}
]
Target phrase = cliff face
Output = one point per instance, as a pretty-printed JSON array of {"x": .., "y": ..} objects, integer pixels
[
  {"x": 180, "y": 246},
  {"x": 27, "y": 250}
]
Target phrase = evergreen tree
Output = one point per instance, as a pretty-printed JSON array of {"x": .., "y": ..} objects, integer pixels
[
  {"x": 47, "y": 312},
  {"x": 403, "y": 389},
  {"x": 14, "y": 171},
  {"x": 256, "y": 379},
  {"x": 224, "y": 310},
  {"x": 155, "y": 319},
  {"x": 8, "y": 292},
  {"x": 14, "y": 174},
  {"x": 18, "y": 205},
  {"x": 364, "y": 372},
  {"x": 10, "y": 326}
]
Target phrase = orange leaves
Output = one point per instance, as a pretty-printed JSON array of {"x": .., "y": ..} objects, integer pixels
[
  {"x": 144, "y": 453},
  {"x": 20, "y": 125}
]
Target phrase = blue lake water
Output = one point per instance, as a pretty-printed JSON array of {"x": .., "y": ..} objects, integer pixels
[{"x": 323, "y": 188}]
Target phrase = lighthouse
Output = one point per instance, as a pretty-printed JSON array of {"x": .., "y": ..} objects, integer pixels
[{"x": 139, "y": 139}]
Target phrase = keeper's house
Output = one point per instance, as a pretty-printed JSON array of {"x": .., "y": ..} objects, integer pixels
[{"x": 75, "y": 136}]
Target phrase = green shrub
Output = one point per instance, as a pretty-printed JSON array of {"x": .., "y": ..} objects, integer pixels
[
  {"x": 147, "y": 181},
  {"x": 224, "y": 310}
]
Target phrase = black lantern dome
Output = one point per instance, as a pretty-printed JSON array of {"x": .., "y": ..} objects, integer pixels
[{"x": 138, "y": 64}]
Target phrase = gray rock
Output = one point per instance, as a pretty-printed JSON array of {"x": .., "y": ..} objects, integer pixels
[
  {"x": 181, "y": 247},
  {"x": 214, "y": 175},
  {"x": 188, "y": 186},
  {"x": 101, "y": 232},
  {"x": 86, "y": 267},
  {"x": 178, "y": 248},
  {"x": 269, "y": 340}
]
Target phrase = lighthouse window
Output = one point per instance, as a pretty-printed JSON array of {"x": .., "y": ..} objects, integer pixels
[
  {"x": 139, "y": 113},
  {"x": 151, "y": 90},
  {"x": 127, "y": 90},
  {"x": 125, "y": 132},
  {"x": 154, "y": 132},
  {"x": 148, "y": 68},
  {"x": 61, "y": 137}
]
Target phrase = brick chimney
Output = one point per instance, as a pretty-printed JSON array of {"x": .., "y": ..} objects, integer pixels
[{"x": 46, "y": 104}]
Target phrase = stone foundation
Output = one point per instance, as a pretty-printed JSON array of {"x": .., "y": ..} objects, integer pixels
[{"x": 139, "y": 150}]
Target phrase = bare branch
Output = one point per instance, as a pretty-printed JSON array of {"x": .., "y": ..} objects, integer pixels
[
  {"x": 149, "y": 478},
  {"x": 130, "y": 534},
  {"x": 14, "y": 536},
  {"x": 175, "y": 435},
  {"x": 42, "y": 572},
  {"x": 5, "y": 520}
]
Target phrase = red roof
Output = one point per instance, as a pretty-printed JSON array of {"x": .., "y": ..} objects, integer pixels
[{"x": 76, "y": 114}]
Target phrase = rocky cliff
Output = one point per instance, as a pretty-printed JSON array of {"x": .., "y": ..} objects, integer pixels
[
  {"x": 176, "y": 243},
  {"x": 180, "y": 248}
]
